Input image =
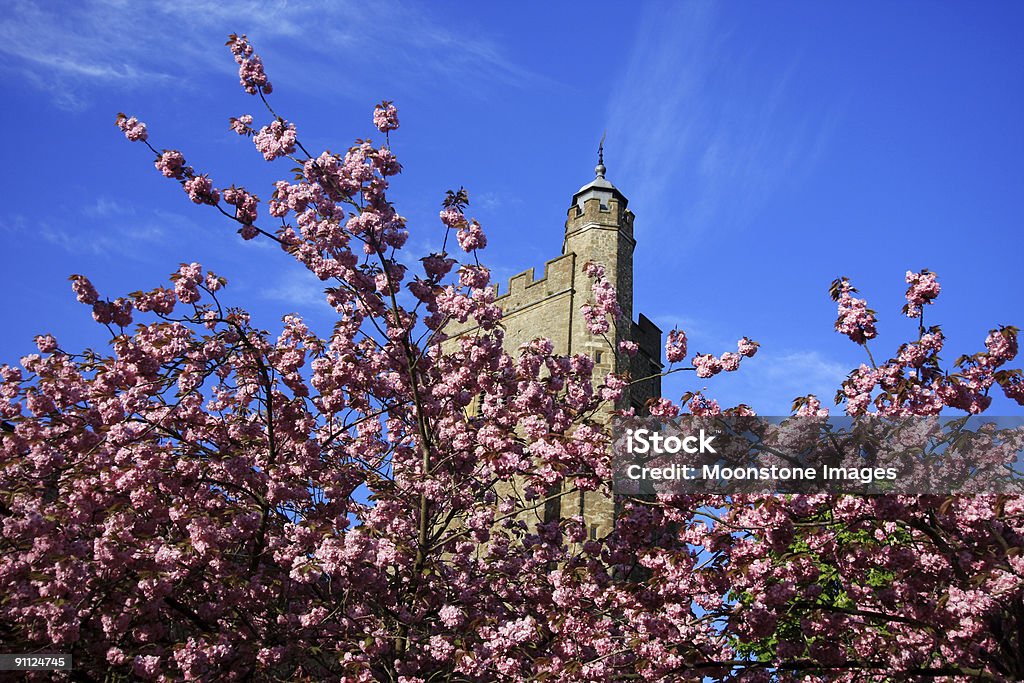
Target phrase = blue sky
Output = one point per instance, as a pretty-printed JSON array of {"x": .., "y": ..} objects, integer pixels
[{"x": 766, "y": 148}]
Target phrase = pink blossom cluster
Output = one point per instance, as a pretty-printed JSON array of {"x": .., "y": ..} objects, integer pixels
[
  {"x": 46, "y": 343},
  {"x": 187, "y": 282},
  {"x": 276, "y": 140},
  {"x": 251, "y": 75},
  {"x": 132, "y": 128},
  {"x": 604, "y": 307},
  {"x": 200, "y": 190},
  {"x": 474, "y": 277},
  {"x": 1002, "y": 345},
  {"x": 747, "y": 347},
  {"x": 855, "y": 319},
  {"x": 452, "y": 217},
  {"x": 809, "y": 406},
  {"x": 663, "y": 408},
  {"x": 84, "y": 290},
  {"x": 118, "y": 312},
  {"x": 385, "y": 117},
  {"x": 593, "y": 270},
  {"x": 911, "y": 383},
  {"x": 701, "y": 405},
  {"x": 923, "y": 289},
  {"x": 245, "y": 204},
  {"x": 858, "y": 388},
  {"x": 471, "y": 237},
  {"x": 437, "y": 265},
  {"x": 171, "y": 164},
  {"x": 1013, "y": 386},
  {"x": 675, "y": 346},
  {"x": 242, "y": 124},
  {"x": 707, "y": 365}
]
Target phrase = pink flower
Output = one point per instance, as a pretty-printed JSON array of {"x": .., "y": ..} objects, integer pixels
[
  {"x": 102, "y": 312},
  {"x": 606, "y": 298},
  {"x": 1013, "y": 387},
  {"x": 474, "y": 277},
  {"x": 471, "y": 237},
  {"x": 932, "y": 342},
  {"x": 810, "y": 406},
  {"x": 132, "y": 128},
  {"x": 855, "y": 319},
  {"x": 171, "y": 163},
  {"x": 239, "y": 46},
  {"x": 452, "y": 217},
  {"x": 242, "y": 125},
  {"x": 46, "y": 343},
  {"x": 913, "y": 355},
  {"x": 451, "y": 616},
  {"x": 437, "y": 265},
  {"x": 702, "y": 406},
  {"x": 251, "y": 75},
  {"x": 201, "y": 191},
  {"x": 276, "y": 140},
  {"x": 84, "y": 291},
  {"x": 923, "y": 289},
  {"x": 730, "y": 361},
  {"x": 596, "y": 321},
  {"x": 593, "y": 269},
  {"x": 747, "y": 347},
  {"x": 628, "y": 348},
  {"x": 385, "y": 116},
  {"x": 706, "y": 365},
  {"x": 146, "y": 666},
  {"x": 385, "y": 161},
  {"x": 1002, "y": 344},
  {"x": 663, "y": 408},
  {"x": 614, "y": 385},
  {"x": 675, "y": 346},
  {"x": 245, "y": 204},
  {"x": 121, "y": 312}
]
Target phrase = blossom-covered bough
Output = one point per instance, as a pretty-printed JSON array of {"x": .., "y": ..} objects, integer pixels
[{"x": 211, "y": 501}]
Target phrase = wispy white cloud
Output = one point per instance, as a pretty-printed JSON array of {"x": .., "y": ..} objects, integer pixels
[
  {"x": 493, "y": 201},
  {"x": 298, "y": 288},
  {"x": 125, "y": 237},
  {"x": 113, "y": 228},
  {"x": 72, "y": 48},
  {"x": 697, "y": 132},
  {"x": 65, "y": 48},
  {"x": 105, "y": 207}
]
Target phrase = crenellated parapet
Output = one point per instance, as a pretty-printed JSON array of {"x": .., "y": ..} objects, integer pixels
[
  {"x": 602, "y": 209},
  {"x": 522, "y": 287}
]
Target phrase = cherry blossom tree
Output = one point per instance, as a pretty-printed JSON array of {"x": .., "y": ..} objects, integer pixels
[{"x": 208, "y": 500}]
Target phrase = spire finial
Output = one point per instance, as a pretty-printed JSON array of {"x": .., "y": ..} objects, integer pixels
[{"x": 600, "y": 169}]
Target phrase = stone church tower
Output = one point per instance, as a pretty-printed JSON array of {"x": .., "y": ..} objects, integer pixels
[{"x": 599, "y": 227}]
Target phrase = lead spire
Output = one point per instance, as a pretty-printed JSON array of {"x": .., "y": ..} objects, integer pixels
[{"x": 600, "y": 169}]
